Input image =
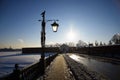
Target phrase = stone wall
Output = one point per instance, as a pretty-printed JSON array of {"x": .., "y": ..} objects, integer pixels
[
  {"x": 39, "y": 50},
  {"x": 106, "y": 51}
]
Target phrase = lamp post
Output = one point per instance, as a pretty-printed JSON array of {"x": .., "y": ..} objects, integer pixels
[{"x": 43, "y": 38}]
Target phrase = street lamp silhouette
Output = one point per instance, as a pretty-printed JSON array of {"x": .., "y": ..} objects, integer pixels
[
  {"x": 54, "y": 27},
  {"x": 43, "y": 38}
]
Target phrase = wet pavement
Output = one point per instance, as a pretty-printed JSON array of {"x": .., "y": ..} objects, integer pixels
[{"x": 108, "y": 68}]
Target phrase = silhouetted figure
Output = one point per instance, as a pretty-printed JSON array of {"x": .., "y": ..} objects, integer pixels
[{"x": 16, "y": 72}]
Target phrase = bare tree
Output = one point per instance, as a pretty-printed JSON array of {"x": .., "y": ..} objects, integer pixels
[
  {"x": 101, "y": 44},
  {"x": 81, "y": 44},
  {"x": 96, "y": 43},
  {"x": 110, "y": 42},
  {"x": 116, "y": 39},
  {"x": 104, "y": 44},
  {"x": 57, "y": 45},
  {"x": 71, "y": 44}
]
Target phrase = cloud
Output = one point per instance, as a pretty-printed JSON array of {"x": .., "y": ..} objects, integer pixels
[{"x": 21, "y": 40}]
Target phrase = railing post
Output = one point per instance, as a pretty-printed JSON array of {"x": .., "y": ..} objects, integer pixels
[
  {"x": 49, "y": 59},
  {"x": 16, "y": 73}
]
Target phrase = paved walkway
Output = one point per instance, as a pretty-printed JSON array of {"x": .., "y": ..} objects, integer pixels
[{"x": 58, "y": 70}]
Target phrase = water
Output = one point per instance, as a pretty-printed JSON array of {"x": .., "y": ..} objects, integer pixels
[
  {"x": 108, "y": 69},
  {"x": 9, "y": 59}
]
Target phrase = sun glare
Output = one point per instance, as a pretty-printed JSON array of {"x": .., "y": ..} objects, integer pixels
[{"x": 71, "y": 36}]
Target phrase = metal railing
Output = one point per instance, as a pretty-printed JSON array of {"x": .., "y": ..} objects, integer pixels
[{"x": 30, "y": 72}]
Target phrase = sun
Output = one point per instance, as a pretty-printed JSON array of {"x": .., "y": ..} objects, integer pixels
[{"x": 71, "y": 36}]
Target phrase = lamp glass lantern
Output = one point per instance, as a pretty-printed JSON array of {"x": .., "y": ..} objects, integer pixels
[{"x": 55, "y": 27}]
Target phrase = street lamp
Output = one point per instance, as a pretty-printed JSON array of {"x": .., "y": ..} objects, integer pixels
[
  {"x": 43, "y": 38},
  {"x": 55, "y": 26}
]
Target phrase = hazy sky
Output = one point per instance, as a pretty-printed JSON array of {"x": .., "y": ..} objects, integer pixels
[{"x": 86, "y": 20}]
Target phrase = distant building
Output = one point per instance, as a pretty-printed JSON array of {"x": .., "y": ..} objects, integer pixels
[{"x": 64, "y": 48}]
